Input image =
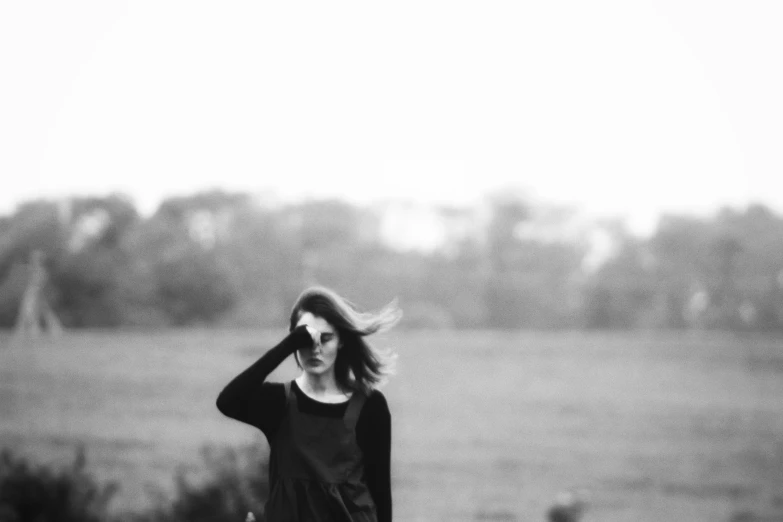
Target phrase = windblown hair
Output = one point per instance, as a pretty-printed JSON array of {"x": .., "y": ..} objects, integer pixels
[{"x": 359, "y": 366}]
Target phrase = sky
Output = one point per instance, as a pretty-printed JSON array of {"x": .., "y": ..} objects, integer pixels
[{"x": 626, "y": 108}]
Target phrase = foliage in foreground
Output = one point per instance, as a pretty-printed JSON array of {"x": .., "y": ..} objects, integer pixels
[
  {"x": 232, "y": 483},
  {"x": 34, "y": 492}
]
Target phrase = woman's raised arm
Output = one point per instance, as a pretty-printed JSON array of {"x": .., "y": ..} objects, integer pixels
[{"x": 246, "y": 397}]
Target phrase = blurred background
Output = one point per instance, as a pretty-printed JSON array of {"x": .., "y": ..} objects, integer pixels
[{"x": 578, "y": 206}]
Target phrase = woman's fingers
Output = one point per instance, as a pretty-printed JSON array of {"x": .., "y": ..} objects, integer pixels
[{"x": 315, "y": 334}]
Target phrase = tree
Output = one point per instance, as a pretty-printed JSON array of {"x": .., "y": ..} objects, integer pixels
[{"x": 88, "y": 267}]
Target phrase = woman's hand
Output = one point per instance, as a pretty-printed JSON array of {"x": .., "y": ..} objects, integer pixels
[{"x": 315, "y": 334}]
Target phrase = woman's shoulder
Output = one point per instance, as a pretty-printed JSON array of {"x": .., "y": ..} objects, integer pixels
[
  {"x": 274, "y": 390},
  {"x": 274, "y": 385},
  {"x": 375, "y": 415},
  {"x": 376, "y": 401}
]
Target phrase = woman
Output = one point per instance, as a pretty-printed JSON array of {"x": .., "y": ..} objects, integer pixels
[{"x": 329, "y": 430}]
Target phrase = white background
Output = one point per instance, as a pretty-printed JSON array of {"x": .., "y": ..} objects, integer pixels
[{"x": 627, "y": 108}]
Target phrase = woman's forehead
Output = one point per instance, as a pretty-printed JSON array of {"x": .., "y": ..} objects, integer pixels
[{"x": 319, "y": 323}]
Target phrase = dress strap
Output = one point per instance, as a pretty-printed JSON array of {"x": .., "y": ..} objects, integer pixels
[
  {"x": 355, "y": 404},
  {"x": 289, "y": 396}
]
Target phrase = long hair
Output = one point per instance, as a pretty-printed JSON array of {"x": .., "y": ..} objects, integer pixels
[{"x": 358, "y": 366}]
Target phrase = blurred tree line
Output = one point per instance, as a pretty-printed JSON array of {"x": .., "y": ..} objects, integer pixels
[{"x": 226, "y": 259}]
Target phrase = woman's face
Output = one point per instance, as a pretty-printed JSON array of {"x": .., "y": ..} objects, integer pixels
[{"x": 319, "y": 359}]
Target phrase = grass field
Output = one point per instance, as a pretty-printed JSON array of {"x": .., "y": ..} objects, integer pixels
[{"x": 487, "y": 426}]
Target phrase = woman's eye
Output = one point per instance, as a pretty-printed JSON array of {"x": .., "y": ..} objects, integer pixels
[{"x": 325, "y": 338}]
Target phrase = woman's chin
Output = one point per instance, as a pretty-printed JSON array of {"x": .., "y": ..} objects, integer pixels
[{"x": 316, "y": 370}]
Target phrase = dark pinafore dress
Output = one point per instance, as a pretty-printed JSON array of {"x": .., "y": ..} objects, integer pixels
[{"x": 316, "y": 470}]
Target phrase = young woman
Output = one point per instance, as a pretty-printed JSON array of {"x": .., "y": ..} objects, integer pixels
[{"x": 329, "y": 430}]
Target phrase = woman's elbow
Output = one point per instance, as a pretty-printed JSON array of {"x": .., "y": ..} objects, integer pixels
[{"x": 224, "y": 405}]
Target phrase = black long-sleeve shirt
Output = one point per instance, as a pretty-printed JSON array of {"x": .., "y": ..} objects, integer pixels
[{"x": 250, "y": 399}]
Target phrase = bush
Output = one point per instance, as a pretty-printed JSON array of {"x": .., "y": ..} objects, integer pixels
[
  {"x": 234, "y": 484},
  {"x": 231, "y": 483},
  {"x": 30, "y": 492}
]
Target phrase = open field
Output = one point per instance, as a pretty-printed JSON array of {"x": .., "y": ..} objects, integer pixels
[{"x": 487, "y": 425}]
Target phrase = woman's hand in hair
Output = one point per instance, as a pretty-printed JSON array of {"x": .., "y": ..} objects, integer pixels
[{"x": 314, "y": 333}]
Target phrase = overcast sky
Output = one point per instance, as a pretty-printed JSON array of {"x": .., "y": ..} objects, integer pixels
[{"x": 624, "y": 107}]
